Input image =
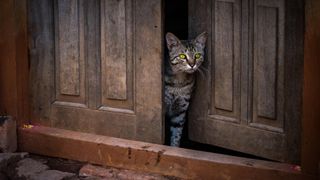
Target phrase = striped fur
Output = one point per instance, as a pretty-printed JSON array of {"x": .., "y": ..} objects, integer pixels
[{"x": 185, "y": 57}]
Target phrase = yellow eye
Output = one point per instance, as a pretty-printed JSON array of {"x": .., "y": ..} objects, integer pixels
[
  {"x": 197, "y": 56},
  {"x": 182, "y": 56}
]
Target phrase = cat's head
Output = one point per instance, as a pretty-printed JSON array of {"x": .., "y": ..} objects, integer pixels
[{"x": 186, "y": 56}]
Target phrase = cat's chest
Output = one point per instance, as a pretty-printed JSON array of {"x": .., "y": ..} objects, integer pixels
[
  {"x": 179, "y": 91},
  {"x": 179, "y": 82},
  {"x": 175, "y": 89}
]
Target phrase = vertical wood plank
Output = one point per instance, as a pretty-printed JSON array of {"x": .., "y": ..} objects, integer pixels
[
  {"x": 117, "y": 62},
  {"x": 71, "y": 77},
  {"x": 199, "y": 21},
  {"x": 268, "y": 64},
  {"x": 246, "y": 39},
  {"x": 93, "y": 67},
  {"x": 114, "y": 49},
  {"x": 266, "y": 60},
  {"x": 8, "y": 72},
  {"x": 226, "y": 60},
  {"x": 41, "y": 49},
  {"x": 294, "y": 78},
  {"x": 23, "y": 105},
  {"x": 148, "y": 62},
  {"x": 224, "y": 55},
  {"x": 14, "y": 94},
  {"x": 68, "y": 41},
  {"x": 310, "y": 158}
]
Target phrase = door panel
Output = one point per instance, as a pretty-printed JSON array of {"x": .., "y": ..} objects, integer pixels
[
  {"x": 87, "y": 70},
  {"x": 268, "y": 65},
  {"x": 225, "y": 102},
  {"x": 116, "y": 55},
  {"x": 69, "y": 69},
  {"x": 245, "y": 97}
]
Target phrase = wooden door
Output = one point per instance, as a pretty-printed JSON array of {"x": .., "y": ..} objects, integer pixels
[
  {"x": 95, "y": 66},
  {"x": 250, "y": 100}
]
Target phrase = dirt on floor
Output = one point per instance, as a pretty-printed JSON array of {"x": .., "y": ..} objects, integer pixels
[{"x": 24, "y": 166}]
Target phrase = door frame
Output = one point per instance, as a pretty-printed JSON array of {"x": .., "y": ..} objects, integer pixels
[{"x": 14, "y": 93}]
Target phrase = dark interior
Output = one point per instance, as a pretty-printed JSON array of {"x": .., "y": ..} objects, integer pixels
[
  {"x": 176, "y": 18},
  {"x": 176, "y": 22}
]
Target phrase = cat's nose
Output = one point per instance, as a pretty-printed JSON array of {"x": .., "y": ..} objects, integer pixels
[{"x": 191, "y": 64}]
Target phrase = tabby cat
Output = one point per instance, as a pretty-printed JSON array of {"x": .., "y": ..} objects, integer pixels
[{"x": 185, "y": 58}]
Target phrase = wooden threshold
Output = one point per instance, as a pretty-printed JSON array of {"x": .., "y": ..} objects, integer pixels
[{"x": 147, "y": 157}]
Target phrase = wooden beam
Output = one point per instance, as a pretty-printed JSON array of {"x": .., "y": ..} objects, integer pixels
[
  {"x": 310, "y": 159},
  {"x": 148, "y": 157},
  {"x": 14, "y": 60},
  {"x": 8, "y": 90}
]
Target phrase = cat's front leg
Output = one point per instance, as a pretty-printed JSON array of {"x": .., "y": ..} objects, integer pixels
[
  {"x": 177, "y": 120},
  {"x": 176, "y": 128}
]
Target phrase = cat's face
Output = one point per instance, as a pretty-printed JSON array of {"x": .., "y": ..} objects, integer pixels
[{"x": 186, "y": 56}]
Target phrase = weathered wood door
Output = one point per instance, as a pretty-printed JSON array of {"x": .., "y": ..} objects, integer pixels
[
  {"x": 95, "y": 66},
  {"x": 250, "y": 100}
]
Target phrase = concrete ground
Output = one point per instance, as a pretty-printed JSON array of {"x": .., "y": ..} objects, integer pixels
[{"x": 24, "y": 166}]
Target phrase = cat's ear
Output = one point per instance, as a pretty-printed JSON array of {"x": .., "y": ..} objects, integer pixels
[
  {"x": 201, "y": 39},
  {"x": 172, "y": 41}
]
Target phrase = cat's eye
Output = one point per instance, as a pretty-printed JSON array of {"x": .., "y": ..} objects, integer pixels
[
  {"x": 197, "y": 56},
  {"x": 182, "y": 56}
]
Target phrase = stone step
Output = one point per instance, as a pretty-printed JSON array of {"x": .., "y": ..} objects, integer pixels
[{"x": 97, "y": 172}]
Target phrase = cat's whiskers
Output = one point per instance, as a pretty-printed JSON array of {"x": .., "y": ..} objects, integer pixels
[
  {"x": 201, "y": 73},
  {"x": 204, "y": 69}
]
